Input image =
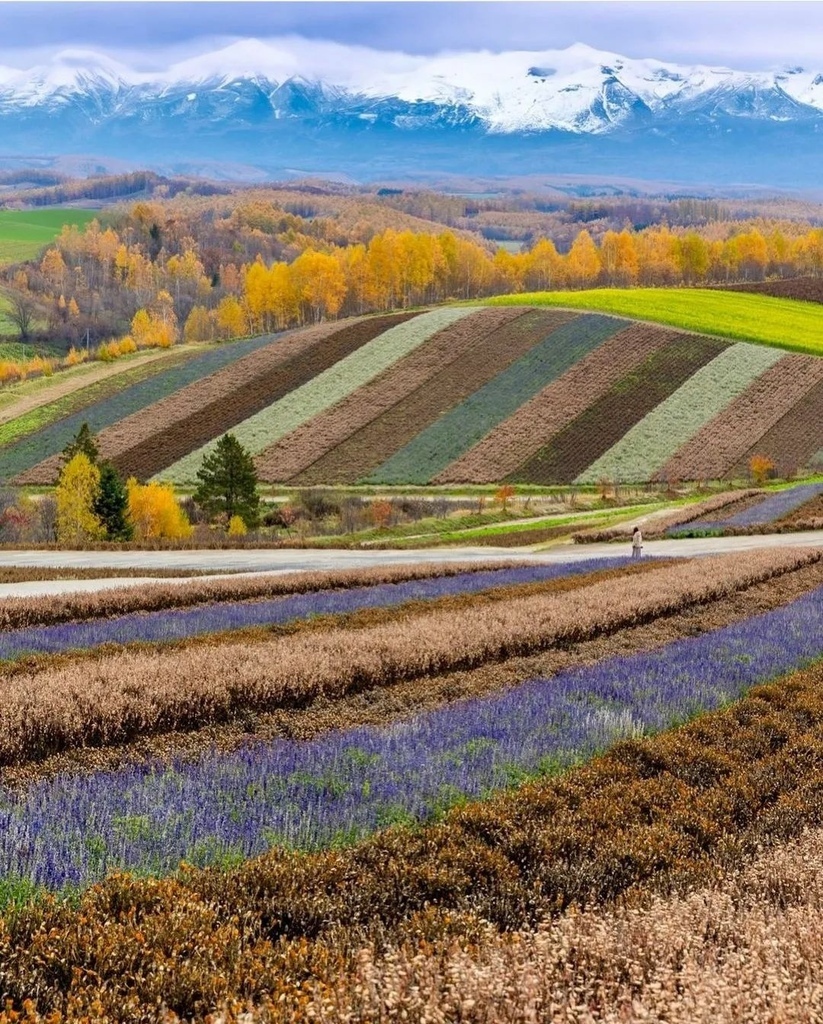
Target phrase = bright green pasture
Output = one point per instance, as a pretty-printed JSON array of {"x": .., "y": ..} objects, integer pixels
[
  {"x": 784, "y": 323},
  {"x": 23, "y": 233}
]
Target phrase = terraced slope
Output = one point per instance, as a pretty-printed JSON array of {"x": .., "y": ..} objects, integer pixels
[{"x": 448, "y": 396}]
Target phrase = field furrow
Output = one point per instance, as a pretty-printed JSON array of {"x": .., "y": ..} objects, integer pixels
[
  {"x": 260, "y": 431},
  {"x": 520, "y": 436},
  {"x": 603, "y": 423},
  {"x": 300, "y": 450},
  {"x": 719, "y": 445},
  {"x": 642, "y": 451},
  {"x": 793, "y": 441},
  {"x": 492, "y": 353},
  {"x": 463, "y": 426},
  {"x": 17, "y": 458}
]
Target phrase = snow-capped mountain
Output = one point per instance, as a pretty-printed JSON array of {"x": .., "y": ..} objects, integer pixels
[{"x": 291, "y": 101}]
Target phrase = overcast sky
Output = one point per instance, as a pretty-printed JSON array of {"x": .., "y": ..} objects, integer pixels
[{"x": 744, "y": 34}]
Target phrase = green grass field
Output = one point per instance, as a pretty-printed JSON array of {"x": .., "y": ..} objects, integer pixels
[
  {"x": 23, "y": 233},
  {"x": 785, "y": 323}
]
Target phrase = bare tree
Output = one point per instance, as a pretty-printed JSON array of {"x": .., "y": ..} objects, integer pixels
[{"x": 22, "y": 312}]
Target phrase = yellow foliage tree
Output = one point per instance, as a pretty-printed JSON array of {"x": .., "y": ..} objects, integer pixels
[
  {"x": 75, "y": 494},
  {"x": 155, "y": 512},
  {"x": 198, "y": 326},
  {"x": 231, "y": 320},
  {"x": 237, "y": 527}
]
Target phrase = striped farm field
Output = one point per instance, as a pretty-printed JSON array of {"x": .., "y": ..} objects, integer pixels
[
  {"x": 327, "y": 388},
  {"x": 448, "y": 396}
]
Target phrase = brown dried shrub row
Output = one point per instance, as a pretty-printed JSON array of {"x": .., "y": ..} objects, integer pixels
[
  {"x": 793, "y": 441},
  {"x": 720, "y": 444},
  {"x": 747, "y": 949},
  {"x": 513, "y": 441},
  {"x": 577, "y": 445},
  {"x": 97, "y": 703},
  {"x": 20, "y": 612},
  {"x": 807, "y": 289},
  {"x": 673, "y": 811},
  {"x": 149, "y": 440},
  {"x": 302, "y": 447},
  {"x": 370, "y": 446}
]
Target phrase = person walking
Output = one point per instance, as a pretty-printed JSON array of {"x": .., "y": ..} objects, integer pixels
[{"x": 637, "y": 543}]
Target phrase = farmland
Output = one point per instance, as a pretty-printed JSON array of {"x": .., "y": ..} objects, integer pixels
[
  {"x": 454, "y": 396},
  {"x": 24, "y": 233},
  {"x": 320, "y": 770}
]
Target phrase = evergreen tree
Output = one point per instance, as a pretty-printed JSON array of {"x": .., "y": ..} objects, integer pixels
[
  {"x": 83, "y": 442},
  {"x": 228, "y": 483},
  {"x": 112, "y": 503}
]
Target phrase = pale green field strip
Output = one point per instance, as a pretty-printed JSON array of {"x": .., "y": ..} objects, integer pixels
[
  {"x": 326, "y": 389},
  {"x": 785, "y": 323},
  {"x": 649, "y": 445},
  {"x": 463, "y": 426},
  {"x": 23, "y": 233}
]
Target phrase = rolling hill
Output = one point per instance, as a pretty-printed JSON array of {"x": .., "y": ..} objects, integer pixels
[{"x": 524, "y": 393}]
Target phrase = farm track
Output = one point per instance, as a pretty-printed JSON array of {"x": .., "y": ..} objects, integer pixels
[
  {"x": 295, "y": 454},
  {"x": 384, "y": 704},
  {"x": 659, "y": 816},
  {"x": 723, "y": 441},
  {"x": 45, "y": 712},
  {"x": 366, "y": 449},
  {"x": 520, "y": 436},
  {"x": 627, "y": 402},
  {"x": 73, "y": 382},
  {"x": 793, "y": 440}
]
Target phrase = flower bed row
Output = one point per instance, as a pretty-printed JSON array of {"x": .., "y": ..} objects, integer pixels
[
  {"x": 321, "y": 392},
  {"x": 428, "y": 454},
  {"x": 604, "y": 422},
  {"x": 531, "y": 427},
  {"x": 296, "y": 452},
  {"x": 369, "y": 447},
  {"x": 718, "y": 446},
  {"x": 25, "y": 453},
  {"x": 645, "y": 449},
  {"x": 44, "y": 712},
  {"x": 673, "y": 810},
  {"x": 346, "y": 785},
  {"x": 773, "y": 508}
]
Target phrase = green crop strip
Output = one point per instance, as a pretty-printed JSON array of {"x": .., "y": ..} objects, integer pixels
[{"x": 784, "y": 323}]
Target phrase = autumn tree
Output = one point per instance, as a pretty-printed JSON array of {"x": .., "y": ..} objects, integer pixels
[
  {"x": 227, "y": 483},
  {"x": 155, "y": 512},
  {"x": 76, "y": 493},
  {"x": 583, "y": 261}
]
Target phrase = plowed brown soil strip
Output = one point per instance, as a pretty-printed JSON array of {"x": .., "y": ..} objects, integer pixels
[
  {"x": 793, "y": 440},
  {"x": 369, "y": 447},
  {"x": 602, "y": 424},
  {"x": 301, "y": 448},
  {"x": 806, "y": 289},
  {"x": 521, "y": 435},
  {"x": 720, "y": 444},
  {"x": 382, "y": 705}
]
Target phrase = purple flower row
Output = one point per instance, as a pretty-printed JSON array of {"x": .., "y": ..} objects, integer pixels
[
  {"x": 224, "y": 616},
  {"x": 338, "y": 787},
  {"x": 776, "y": 506}
]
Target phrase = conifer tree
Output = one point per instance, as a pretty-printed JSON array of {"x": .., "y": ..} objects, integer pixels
[
  {"x": 228, "y": 483},
  {"x": 111, "y": 505},
  {"x": 84, "y": 442}
]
